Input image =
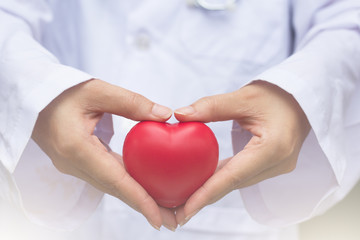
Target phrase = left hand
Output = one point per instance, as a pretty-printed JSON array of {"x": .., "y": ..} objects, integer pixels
[
  {"x": 64, "y": 130},
  {"x": 278, "y": 125}
]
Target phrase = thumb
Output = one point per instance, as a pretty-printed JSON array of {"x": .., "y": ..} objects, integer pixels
[
  {"x": 220, "y": 107},
  {"x": 116, "y": 100}
]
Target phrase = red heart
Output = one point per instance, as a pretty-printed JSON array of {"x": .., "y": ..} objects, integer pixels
[{"x": 171, "y": 161}]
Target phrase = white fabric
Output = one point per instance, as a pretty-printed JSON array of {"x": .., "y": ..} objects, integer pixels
[{"x": 175, "y": 54}]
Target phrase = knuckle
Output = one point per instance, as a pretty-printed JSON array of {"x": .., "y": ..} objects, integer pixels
[
  {"x": 206, "y": 194},
  {"x": 92, "y": 87},
  {"x": 60, "y": 166},
  {"x": 63, "y": 166},
  {"x": 67, "y": 152},
  {"x": 234, "y": 182},
  {"x": 135, "y": 102},
  {"x": 233, "y": 179},
  {"x": 67, "y": 147},
  {"x": 114, "y": 186},
  {"x": 134, "y": 99},
  {"x": 286, "y": 156},
  {"x": 210, "y": 103},
  {"x": 143, "y": 203},
  {"x": 290, "y": 166},
  {"x": 285, "y": 147},
  {"x": 206, "y": 100},
  {"x": 92, "y": 84}
]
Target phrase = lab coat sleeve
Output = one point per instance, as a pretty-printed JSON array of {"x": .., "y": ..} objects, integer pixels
[
  {"x": 30, "y": 78},
  {"x": 323, "y": 75}
]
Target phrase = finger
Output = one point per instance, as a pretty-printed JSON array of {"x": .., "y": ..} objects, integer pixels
[
  {"x": 168, "y": 215},
  {"x": 180, "y": 215},
  {"x": 240, "y": 169},
  {"x": 209, "y": 109},
  {"x": 106, "y": 173},
  {"x": 268, "y": 173},
  {"x": 222, "y": 163},
  {"x": 168, "y": 218},
  {"x": 207, "y": 194},
  {"x": 247, "y": 103},
  {"x": 116, "y": 100},
  {"x": 183, "y": 217}
]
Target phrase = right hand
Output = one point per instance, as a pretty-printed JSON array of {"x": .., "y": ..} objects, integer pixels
[{"x": 64, "y": 131}]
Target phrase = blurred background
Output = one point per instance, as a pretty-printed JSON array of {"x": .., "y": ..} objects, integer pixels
[{"x": 342, "y": 222}]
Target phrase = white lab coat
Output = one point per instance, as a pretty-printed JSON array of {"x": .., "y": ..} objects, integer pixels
[{"x": 175, "y": 54}]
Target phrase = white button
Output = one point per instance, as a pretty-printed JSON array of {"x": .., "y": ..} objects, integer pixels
[
  {"x": 142, "y": 41},
  {"x": 213, "y": 5}
]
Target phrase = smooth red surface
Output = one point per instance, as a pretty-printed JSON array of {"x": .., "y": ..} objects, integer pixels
[{"x": 171, "y": 161}]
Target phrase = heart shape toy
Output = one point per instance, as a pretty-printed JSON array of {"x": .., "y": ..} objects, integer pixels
[{"x": 171, "y": 161}]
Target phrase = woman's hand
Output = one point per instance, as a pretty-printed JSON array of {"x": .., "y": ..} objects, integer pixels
[
  {"x": 64, "y": 131},
  {"x": 279, "y": 128}
]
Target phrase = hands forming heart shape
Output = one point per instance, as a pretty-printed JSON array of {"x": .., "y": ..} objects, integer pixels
[{"x": 175, "y": 164}]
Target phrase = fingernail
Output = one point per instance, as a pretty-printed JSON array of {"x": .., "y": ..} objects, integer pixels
[
  {"x": 183, "y": 223},
  {"x": 188, "y": 217},
  {"x": 154, "y": 226},
  {"x": 185, "y": 110},
  {"x": 161, "y": 111},
  {"x": 170, "y": 228}
]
